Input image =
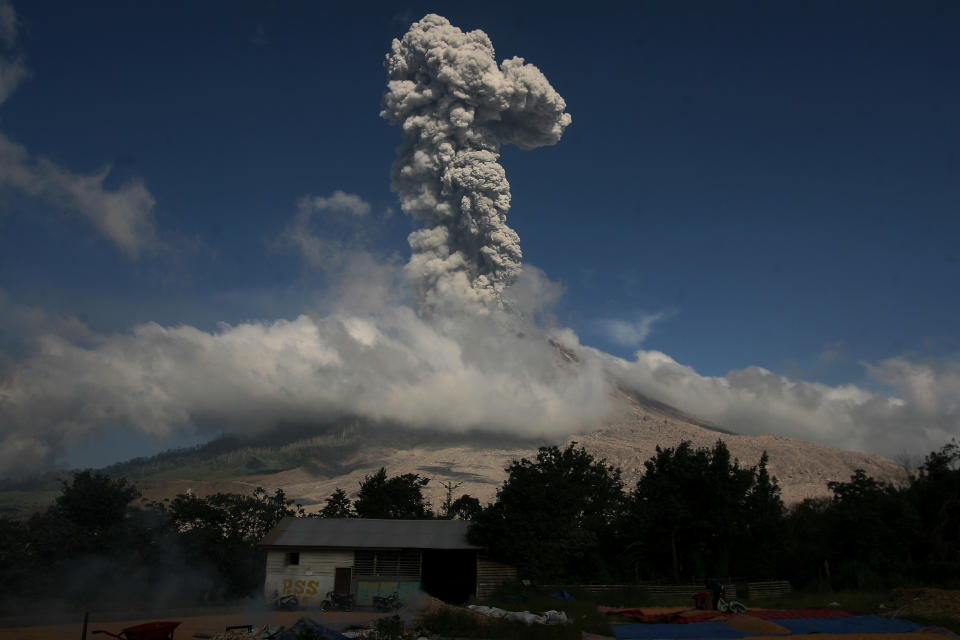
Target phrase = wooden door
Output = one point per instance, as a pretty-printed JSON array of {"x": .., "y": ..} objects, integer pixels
[{"x": 341, "y": 580}]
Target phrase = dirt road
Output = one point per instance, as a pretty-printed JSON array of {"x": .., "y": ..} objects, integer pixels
[{"x": 189, "y": 625}]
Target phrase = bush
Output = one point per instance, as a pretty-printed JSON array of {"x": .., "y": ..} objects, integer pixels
[{"x": 389, "y": 628}]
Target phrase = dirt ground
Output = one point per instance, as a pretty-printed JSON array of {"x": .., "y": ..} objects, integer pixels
[
  {"x": 190, "y": 625},
  {"x": 927, "y": 603}
]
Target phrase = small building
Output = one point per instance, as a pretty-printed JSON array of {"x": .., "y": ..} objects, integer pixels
[{"x": 308, "y": 557}]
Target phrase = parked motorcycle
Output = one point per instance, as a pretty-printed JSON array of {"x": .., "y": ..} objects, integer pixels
[
  {"x": 387, "y": 603},
  {"x": 731, "y": 606},
  {"x": 337, "y": 602},
  {"x": 285, "y": 603}
]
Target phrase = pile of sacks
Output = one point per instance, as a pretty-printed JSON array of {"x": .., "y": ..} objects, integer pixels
[{"x": 548, "y": 617}]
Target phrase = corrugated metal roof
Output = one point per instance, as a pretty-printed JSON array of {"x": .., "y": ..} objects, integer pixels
[{"x": 362, "y": 533}]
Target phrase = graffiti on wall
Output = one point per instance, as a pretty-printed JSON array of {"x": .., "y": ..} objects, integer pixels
[
  {"x": 299, "y": 587},
  {"x": 309, "y": 590}
]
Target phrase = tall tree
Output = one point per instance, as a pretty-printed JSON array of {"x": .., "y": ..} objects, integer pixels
[
  {"x": 935, "y": 492},
  {"x": 466, "y": 507},
  {"x": 221, "y": 531},
  {"x": 95, "y": 502},
  {"x": 872, "y": 530},
  {"x": 400, "y": 497},
  {"x": 763, "y": 539},
  {"x": 688, "y": 511},
  {"x": 337, "y": 505},
  {"x": 552, "y": 513}
]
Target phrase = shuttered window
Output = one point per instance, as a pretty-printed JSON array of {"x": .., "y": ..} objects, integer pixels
[{"x": 387, "y": 564}]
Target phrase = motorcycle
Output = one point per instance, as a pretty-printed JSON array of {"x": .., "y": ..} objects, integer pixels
[
  {"x": 285, "y": 603},
  {"x": 337, "y": 602},
  {"x": 723, "y": 606},
  {"x": 387, "y": 603}
]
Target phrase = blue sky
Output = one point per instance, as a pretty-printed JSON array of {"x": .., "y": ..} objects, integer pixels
[{"x": 743, "y": 184}]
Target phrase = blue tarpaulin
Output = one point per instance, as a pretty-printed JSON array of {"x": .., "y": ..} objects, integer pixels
[
  {"x": 669, "y": 631},
  {"x": 309, "y": 624},
  {"x": 854, "y": 624}
]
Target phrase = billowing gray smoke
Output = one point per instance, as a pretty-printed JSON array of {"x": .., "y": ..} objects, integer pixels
[{"x": 456, "y": 108}]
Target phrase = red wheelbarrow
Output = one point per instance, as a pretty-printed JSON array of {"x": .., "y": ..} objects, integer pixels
[{"x": 148, "y": 631}]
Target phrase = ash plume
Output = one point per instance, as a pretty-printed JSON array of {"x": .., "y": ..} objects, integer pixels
[{"x": 456, "y": 107}]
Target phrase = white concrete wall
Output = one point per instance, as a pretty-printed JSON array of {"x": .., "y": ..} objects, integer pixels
[{"x": 310, "y": 580}]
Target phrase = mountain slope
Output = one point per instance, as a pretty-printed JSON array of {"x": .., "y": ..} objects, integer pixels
[{"x": 342, "y": 457}]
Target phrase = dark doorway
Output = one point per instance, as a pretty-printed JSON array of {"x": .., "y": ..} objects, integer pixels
[
  {"x": 341, "y": 580},
  {"x": 449, "y": 575}
]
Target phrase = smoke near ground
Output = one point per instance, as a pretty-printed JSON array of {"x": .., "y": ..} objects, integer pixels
[{"x": 456, "y": 107}]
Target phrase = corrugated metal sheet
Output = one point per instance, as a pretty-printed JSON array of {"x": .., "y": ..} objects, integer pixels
[
  {"x": 361, "y": 533},
  {"x": 491, "y": 574}
]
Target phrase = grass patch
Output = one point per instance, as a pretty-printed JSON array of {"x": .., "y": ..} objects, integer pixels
[{"x": 20, "y": 505}]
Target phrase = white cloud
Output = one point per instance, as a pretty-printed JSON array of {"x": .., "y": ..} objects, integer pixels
[
  {"x": 13, "y": 68},
  {"x": 629, "y": 333},
  {"x": 342, "y": 202},
  {"x": 21, "y": 326},
  {"x": 378, "y": 361},
  {"x": 922, "y": 415},
  {"x": 12, "y": 72},
  {"x": 374, "y": 357},
  {"x": 325, "y": 251},
  {"x": 124, "y": 216},
  {"x": 9, "y": 24}
]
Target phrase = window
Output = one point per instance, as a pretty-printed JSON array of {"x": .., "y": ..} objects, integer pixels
[
  {"x": 291, "y": 558},
  {"x": 384, "y": 564}
]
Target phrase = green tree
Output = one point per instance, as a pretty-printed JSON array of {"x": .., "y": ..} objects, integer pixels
[
  {"x": 689, "y": 511},
  {"x": 935, "y": 493},
  {"x": 90, "y": 516},
  {"x": 466, "y": 507},
  {"x": 808, "y": 554},
  {"x": 93, "y": 530},
  {"x": 763, "y": 540},
  {"x": 15, "y": 566},
  {"x": 221, "y": 532},
  {"x": 94, "y": 502},
  {"x": 337, "y": 506},
  {"x": 872, "y": 530},
  {"x": 552, "y": 514},
  {"x": 873, "y": 535},
  {"x": 399, "y": 497}
]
